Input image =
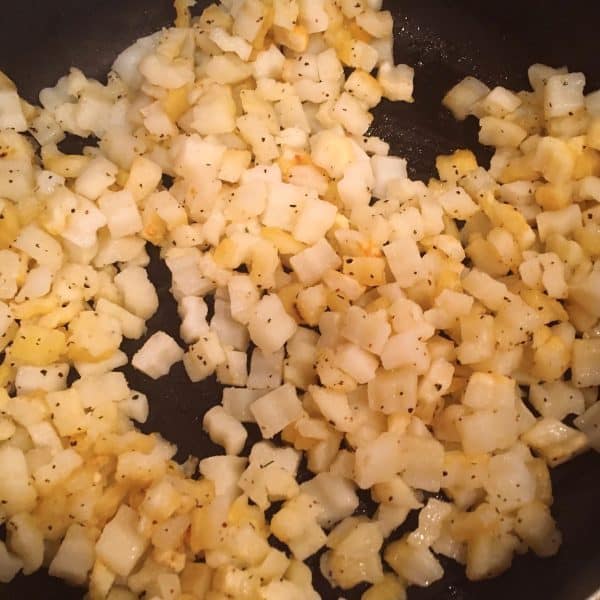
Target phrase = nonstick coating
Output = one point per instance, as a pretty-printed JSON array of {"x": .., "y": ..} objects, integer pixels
[{"x": 444, "y": 40}]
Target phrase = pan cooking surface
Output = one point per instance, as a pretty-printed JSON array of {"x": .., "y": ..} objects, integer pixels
[{"x": 444, "y": 40}]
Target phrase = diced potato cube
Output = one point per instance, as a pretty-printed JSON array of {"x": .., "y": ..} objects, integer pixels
[
  {"x": 536, "y": 527},
  {"x": 416, "y": 564},
  {"x": 464, "y": 95},
  {"x": 93, "y": 336},
  {"x": 157, "y": 355},
  {"x": 313, "y": 262},
  {"x": 68, "y": 414},
  {"x": 75, "y": 556},
  {"x": 223, "y": 429},
  {"x": 10, "y": 564},
  {"x": 351, "y": 113},
  {"x": 277, "y": 409},
  {"x": 26, "y": 540},
  {"x": 555, "y": 441},
  {"x": 500, "y": 133},
  {"x": 586, "y": 362},
  {"x": 270, "y": 326},
  {"x": 367, "y": 270},
  {"x": 554, "y": 159},
  {"x": 453, "y": 166},
  {"x": 489, "y": 555},
  {"x": 17, "y": 492},
  {"x": 364, "y": 87},
  {"x": 38, "y": 346},
  {"x": 49, "y": 476},
  {"x": 563, "y": 94},
  {"x": 355, "y": 557},
  {"x": 120, "y": 545}
]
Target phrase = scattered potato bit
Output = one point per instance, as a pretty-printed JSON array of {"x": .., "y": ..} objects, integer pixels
[{"x": 157, "y": 355}]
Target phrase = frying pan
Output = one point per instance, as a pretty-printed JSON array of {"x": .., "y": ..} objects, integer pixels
[{"x": 444, "y": 40}]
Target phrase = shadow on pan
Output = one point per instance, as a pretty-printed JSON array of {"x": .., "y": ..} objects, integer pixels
[{"x": 444, "y": 40}]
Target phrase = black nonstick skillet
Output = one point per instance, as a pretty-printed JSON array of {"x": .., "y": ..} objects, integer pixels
[{"x": 444, "y": 40}]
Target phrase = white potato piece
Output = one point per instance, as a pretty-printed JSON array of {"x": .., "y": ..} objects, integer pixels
[
  {"x": 11, "y": 113},
  {"x": 277, "y": 409},
  {"x": 225, "y": 430},
  {"x": 139, "y": 294},
  {"x": 10, "y": 565},
  {"x": 16, "y": 487},
  {"x": 132, "y": 326},
  {"x": 270, "y": 326},
  {"x": 335, "y": 495},
  {"x": 416, "y": 564},
  {"x": 310, "y": 264},
  {"x": 396, "y": 82},
  {"x": 49, "y": 378},
  {"x": 62, "y": 465},
  {"x": 315, "y": 219},
  {"x": 158, "y": 354},
  {"x": 40, "y": 246},
  {"x": 75, "y": 556},
  {"x": 462, "y": 98},
  {"x": 563, "y": 94},
  {"x": 96, "y": 178},
  {"x": 121, "y": 213},
  {"x": 26, "y": 541},
  {"x": 120, "y": 545},
  {"x": 586, "y": 360},
  {"x": 203, "y": 357}
]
